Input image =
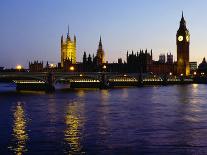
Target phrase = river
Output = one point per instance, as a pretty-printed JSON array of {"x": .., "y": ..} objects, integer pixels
[{"x": 147, "y": 120}]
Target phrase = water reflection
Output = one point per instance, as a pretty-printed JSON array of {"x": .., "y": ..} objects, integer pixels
[
  {"x": 81, "y": 93},
  {"x": 104, "y": 96},
  {"x": 74, "y": 125},
  {"x": 19, "y": 130}
]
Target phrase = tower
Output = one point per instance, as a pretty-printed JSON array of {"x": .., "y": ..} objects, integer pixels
[
  {"x": 68, "y": 49},
  {"x": 183, "y": 43},
  {"x": 100, "y": 53}
]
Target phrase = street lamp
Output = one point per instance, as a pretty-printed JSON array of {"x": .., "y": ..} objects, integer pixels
[
  {"x": 52, "y": 65},
  {"x": 19, "y": 67},
  {"x": 72, "y": 68}
]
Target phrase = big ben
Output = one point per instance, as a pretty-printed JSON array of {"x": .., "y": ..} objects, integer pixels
[{"x": 183, "y": 43}]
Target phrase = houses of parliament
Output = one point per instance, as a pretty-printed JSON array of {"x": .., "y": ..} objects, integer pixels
[
  {"x": 136, "y": 61},
  {"x": 68, "y": 49}
]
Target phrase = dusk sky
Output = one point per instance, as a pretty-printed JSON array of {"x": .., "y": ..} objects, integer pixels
[{"x": 31, "y": 30}]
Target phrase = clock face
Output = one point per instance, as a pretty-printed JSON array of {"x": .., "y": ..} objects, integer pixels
[
  {"x": 180, "y": 38},
  {"x": 187, "y": 38}
]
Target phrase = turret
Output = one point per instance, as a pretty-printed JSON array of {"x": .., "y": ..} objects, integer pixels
[
  {"x": 89, "y": 58},
  {"x": 74, "y": 39},
  {"x": 61, "y": 39},
  {"x": 84, "y": 57}
]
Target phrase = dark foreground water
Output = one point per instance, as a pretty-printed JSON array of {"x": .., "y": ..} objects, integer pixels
[{"x": 149, "y": 120}]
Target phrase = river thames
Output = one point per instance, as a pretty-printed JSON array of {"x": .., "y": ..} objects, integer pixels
[{"x": 148, "y": 120}]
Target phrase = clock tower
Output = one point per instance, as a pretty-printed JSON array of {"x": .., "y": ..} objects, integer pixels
[{"x": 183, "y": 42}]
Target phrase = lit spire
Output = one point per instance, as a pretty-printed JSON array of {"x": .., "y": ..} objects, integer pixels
[{"x": 68, "y": 34}]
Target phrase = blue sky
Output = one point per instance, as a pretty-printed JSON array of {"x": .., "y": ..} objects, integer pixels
[{"x": 31, "y": 29}]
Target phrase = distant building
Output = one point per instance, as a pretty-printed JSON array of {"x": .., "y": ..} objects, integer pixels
[
  {"x": 100, "y": 55},
  {"x": 162, "y": 68},
  {"x": 169, "y": 58},
  {"x": 68, "y": 49},
  {"x": 193, "y": 66},
  {"x": 139, "y": 61},
  {"x": 162, "y": 58},
  {"x": 120, "y": 61},
  {"x": 1, "y": 68},
  {"x": 202, "y": 66},
  {"x": 35, "y": 66}
]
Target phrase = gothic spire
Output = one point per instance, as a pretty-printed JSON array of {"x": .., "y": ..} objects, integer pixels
[
  {"x": 100, "y": 42},
  {"x": 61, "y": 39},
  {"x": 68, "y": 29},
  {"x": 68, "y": 34}
]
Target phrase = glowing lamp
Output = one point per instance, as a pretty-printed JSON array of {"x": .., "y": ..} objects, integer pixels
[
  {"x": 170, "y": 73},
  {"x": 104, "y": 67},
  {"x": 72, "y": 68},
  {"x": 52, "y": 65},
  {"x": 19, "y": 67},
  {"x": 194, "y": 73}
]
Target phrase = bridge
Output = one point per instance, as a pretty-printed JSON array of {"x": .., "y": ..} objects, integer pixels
[{"x": 48, "y": 80}]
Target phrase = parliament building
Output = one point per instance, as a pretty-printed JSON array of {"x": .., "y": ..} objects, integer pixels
[
  {"x": 68, "y": 49},
  {"x": 136, "y": 62}
]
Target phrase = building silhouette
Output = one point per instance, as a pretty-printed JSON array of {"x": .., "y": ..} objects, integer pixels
[
  {"x": 162, "y": 58},
  {"x": 68, "y": 49},
  {"x": 202, "y": 68},
  {"x": 169, "y": 58},
  {"x": 139, "y": 61},
  {"x": 183, "y": 42},
  {"x": 136, "y": 62},
  {"x": 100, "y": 56},
  {"x": 36, "y": 66}
]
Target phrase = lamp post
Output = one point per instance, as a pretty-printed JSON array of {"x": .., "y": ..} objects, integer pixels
[
  {"x": 71, "y": 68},
  {"x": 19, "y": 67}
]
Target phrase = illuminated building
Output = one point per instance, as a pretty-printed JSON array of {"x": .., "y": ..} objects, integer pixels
[
  {"x": 193, "y": 66},
  {"x": 68, "y": 49},
  {"x": 100, "y": 56},
  {"x": 183, "y": 42}
]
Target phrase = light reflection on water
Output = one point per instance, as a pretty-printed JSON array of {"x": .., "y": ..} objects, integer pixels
[
  {"x": 19, "y": 130},
  {"x": 147, "y": 120},
  {"x": 74, "y": 126}
]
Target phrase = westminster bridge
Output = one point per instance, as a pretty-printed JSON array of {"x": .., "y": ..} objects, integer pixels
[{"x": 48, "y": 80}]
